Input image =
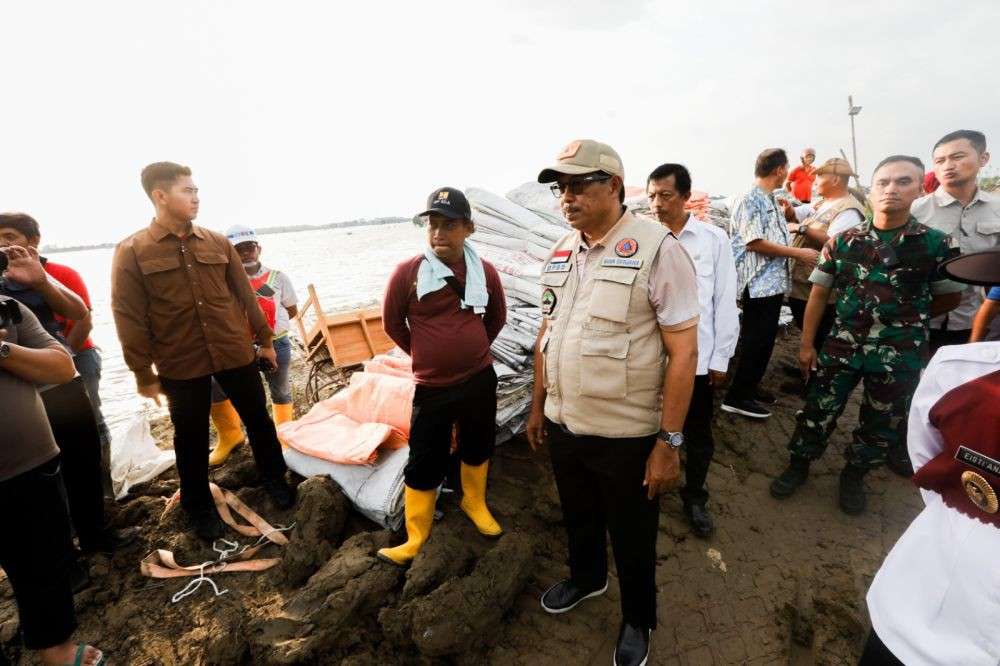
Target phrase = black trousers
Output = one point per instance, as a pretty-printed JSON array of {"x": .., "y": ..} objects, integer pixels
[
  {"x": 877, "y": 654},
  {"x": 190, "y": 400},
  {"x": 38, "y": 554},
  {"x": 758, "y": 330},
  {"x": 699, "y": 445},
  {"x": 939, "y": 338},
  {"x": 71, "y": 417},
  {"x": 472, "y": 405},
  {"x": 798, "y": 308},
  {"x": 601, "y": 492}
]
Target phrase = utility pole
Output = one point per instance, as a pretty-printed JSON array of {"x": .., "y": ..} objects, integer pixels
[{"x": 853, "y": 111}]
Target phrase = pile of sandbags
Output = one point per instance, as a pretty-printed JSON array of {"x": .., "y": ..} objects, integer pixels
[{"x": 515, "y": 234}]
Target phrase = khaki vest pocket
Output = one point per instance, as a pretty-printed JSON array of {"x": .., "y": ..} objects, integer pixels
[
  {"x": 611, "y": 295},
  {"x": 604, "y": 366}
]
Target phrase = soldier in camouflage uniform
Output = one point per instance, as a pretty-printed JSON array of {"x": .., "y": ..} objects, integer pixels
[{"x": 885, "y": 273}]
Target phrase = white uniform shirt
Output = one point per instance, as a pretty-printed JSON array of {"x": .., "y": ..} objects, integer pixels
[
  {"x": 845, "y": 220},
  {"x": 974, "y": 228},
  {"x": 719, "y": 320},
  {"x": 936, "y": 599}
]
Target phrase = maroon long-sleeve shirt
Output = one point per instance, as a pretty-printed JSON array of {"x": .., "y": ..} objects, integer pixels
[{"x": 448, "y": 344}]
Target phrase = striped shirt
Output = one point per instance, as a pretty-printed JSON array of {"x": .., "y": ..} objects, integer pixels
[{"x": 756, "y": 217}]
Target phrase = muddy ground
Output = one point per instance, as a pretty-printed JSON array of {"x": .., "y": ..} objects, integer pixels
[{"x": 779, "y": 582}]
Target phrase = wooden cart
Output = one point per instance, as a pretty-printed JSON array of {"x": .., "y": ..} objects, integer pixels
[{"x": 347, "y": 338}]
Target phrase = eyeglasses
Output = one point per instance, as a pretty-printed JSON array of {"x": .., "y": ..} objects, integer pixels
[{"x": 577, "y": 185}]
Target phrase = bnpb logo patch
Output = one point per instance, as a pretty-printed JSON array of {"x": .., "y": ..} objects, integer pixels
[{"x": 626, "y": 247}]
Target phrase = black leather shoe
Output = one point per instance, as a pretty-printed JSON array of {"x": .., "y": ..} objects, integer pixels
[
  {"x": 108, "y": 541},
  {"x": 789, "y": 481},
  {"x": 207, "y": 524},
  {"x": 633, "y": 646},
  {"x": 565, "y": 595},
  {"x": 700, "y": 520},
  {"x": 79, "y": 575},
  {"x": 852, "y": 490},
  {"x": 282, "y": 493},
  {"x": 898, "y": 461}
]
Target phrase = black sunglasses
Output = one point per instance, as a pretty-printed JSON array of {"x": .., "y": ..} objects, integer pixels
[{"x": 577, "y": 185}]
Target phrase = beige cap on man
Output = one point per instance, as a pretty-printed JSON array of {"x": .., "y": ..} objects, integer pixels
[
  {"x": 836, "y": 166},
  {"x": 584, "y": 156}
]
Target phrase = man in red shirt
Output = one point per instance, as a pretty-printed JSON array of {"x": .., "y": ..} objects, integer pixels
[
  {"x": 800, "y": 180},
  {"x": 444, "y": 308}
]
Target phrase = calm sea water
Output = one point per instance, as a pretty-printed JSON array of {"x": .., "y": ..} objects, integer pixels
[{"x": 348, "y": 267}]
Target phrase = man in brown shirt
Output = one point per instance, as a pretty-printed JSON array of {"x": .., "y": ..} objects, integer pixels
[{"x": 182, "y": 302}]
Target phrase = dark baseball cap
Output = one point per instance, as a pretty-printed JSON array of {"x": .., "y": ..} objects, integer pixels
[{"x": 449, "y": 202}]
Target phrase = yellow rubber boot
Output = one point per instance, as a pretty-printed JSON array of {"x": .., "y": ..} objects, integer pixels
[
  {"x": 283, "y": 412},
  {"x": 230, "y": 428},
  {"x": 419, "y": 507},
  {"x": 474, "y": 499}
]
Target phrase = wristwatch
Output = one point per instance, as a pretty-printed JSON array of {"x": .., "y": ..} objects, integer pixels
[
  {"x": 673, "y": 439},
  {"x": 4, "y": 350}
]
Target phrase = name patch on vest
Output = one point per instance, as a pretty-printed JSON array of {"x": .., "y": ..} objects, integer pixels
[
  {"x": 557, "y": 268},
  {"x": 548, "y": 302},
  {"x": 978, "y": 460},
  {"x": 621, "y": 262}
]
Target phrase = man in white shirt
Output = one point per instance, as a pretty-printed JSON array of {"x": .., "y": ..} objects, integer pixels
[
  {"x": 669, "y": 188},
  {"x": 934, "y": 601},
  {"x": 961, "y": 209}
]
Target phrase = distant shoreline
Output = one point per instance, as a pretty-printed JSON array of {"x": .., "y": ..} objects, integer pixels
[{"x": 377, "y": 221}]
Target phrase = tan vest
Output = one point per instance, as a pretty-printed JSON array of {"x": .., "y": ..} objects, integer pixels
[
  {"x": 801, "y": 286},
  {"x": 602, "y": 350}
]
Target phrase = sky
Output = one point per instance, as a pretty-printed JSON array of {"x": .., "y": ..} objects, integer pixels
[{"x": 316, "y": 112}]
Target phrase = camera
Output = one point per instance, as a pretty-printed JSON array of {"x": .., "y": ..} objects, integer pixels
[
  {"x": 10, "y": 313},
  {"x": 3, "y": 261}
]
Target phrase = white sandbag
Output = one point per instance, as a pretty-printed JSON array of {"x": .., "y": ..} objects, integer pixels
[
  {"x": 537, "y": 198},
  {"x": 520, "y": 215},
  {"x": 134, "y": 456},
  {"x": 496, "y": 240},
  {"x": 498, "y": 226},
  {"x": 374, "y": 490},
  {"x": 550, "y": 232},
  {"x": 539, "y": 252}
]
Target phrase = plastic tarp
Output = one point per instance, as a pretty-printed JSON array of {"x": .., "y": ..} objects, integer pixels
[
  {"x": 134, "y": 456},
  {"x": 375, "y": 490}
]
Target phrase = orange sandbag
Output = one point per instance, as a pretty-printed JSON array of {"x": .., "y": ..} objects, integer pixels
[
  {"x": 328, "y": 434},
  {"x": 351, "y": 425}
]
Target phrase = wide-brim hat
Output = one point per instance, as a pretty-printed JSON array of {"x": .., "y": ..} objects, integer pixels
[{"x": 979, "y": 268}]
